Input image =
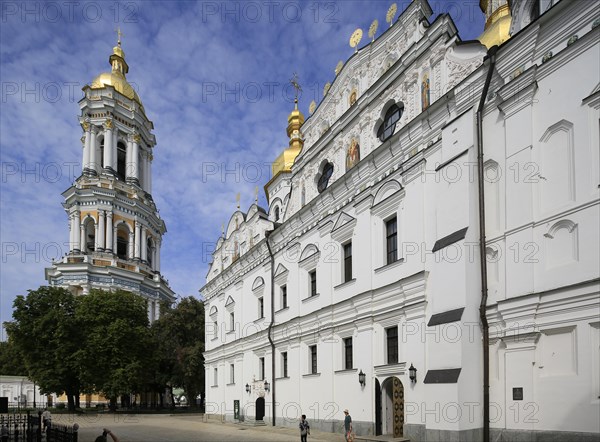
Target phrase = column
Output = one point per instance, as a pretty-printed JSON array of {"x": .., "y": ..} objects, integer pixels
[
  {"x": 82, "y": 237},
  {"x": 71, "y": 233},
  {"x": 135, "y": 158},
  {"x": 86, "y": 147},
  {"x": 92, "y": 166},
  {"x": 76, "y": 234},
  {"x": 131, "y": 246},
  {"x": 115, "y": 158},
  {"x": 136, "y": 242},
  {"x": 108, "y": 146},
  {"x": 156, "y": 310},
  {"x": 128, "y": 160},
  {"x": 157, "y": 255},
  {"x": 144, "y": 245},
  {"x": 148, "y": 173},
  {"x": 96, "y": 238},
  {"x": 101, "y": 231},
  {"x": 109, "y": 233}
]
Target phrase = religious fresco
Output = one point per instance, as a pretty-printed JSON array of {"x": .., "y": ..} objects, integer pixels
[
  {"x": 425, "y": 100},
  {"x": 353, "y": 97},
  {"x": 352, "y": 154}
]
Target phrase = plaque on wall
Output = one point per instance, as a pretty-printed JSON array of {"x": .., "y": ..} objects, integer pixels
[{"x": 517, "y": 393}]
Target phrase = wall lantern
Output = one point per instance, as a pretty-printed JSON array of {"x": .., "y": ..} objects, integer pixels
[
  {"x": 412, "y": 373},
  {"x": 248, "y": 389},
  {"x": 267, "y": 386},
  {"x": 362, "y": 378}
]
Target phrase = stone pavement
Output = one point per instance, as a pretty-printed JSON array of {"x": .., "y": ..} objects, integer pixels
[{"x": 182, "y": 428}]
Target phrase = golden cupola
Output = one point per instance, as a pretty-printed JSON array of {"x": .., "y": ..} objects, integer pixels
[
  {"x": 116, "y": 77},
  {"x": 284, "y": 162},
  {"x": 497, "y": 22}
]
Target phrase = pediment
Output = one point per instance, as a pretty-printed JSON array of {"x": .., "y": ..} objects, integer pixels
[
  {"x": 281, "y": 271},
  {"x": 342, "y": 220},
  {"x": 229, "y": 301}
]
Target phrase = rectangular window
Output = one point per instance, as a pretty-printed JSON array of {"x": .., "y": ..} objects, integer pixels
[
  {"x": 392, "y": 344},
  {"x": 313, "y": 282},
  {"x": 284, "y": 296},
  {"x": 284, "y": 371},
  {"x": 313, "y": 359},
  {"x": 261, "y": 308},
  {"x": 391, "y": 235},
  {"x": 231, "y": 321},
  {"x": 348, "y": 262},
  {"x": 216, "y": 326},
  {"x": 261, "y": 368},
  {"x": 348, "y": 353},
  {"x": 231, "y": 374},
  {"x": 216, "y": 377}
]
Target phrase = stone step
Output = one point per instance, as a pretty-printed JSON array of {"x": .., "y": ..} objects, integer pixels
[{"x": 251, "y": 422}]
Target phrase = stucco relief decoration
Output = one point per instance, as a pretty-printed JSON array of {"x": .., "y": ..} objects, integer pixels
[
  {"x": 352, "y": 154},
  {"x": 425, "y": 93}
]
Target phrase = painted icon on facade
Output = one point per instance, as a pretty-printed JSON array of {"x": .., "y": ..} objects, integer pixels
[
  {"x": 353, "y": 154},
  {"x": 425, "y": 100}
]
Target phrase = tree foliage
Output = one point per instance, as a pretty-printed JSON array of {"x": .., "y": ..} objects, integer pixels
[
  {"x": 45, "y": 332},
  {"x": 93, "y": 343},
  {"x": 180, "y": 335}
]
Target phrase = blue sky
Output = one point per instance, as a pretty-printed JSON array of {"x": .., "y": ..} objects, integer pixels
[{"x": 213, "y": 77}]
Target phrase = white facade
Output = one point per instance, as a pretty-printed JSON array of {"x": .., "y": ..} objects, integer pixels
[
  {"x": 541, "y": 128},
  {"x": 23, "y": 393},
  {"x": 115, "y": 230}
]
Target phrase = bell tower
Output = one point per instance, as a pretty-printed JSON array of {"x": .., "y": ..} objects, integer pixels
[{"x": 115, "y": 228}]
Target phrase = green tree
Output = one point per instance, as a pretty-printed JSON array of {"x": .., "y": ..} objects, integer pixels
[
  {"x": 11, "y": 360},
  {"x": 117, "y": 348},
  {"x": 44, "y": 332},
  {"x": 180, "y": 343}
]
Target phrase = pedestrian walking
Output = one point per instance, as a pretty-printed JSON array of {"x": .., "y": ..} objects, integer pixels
[
  {"x": 349, "y": 435},
  {"x": 304, "y": 429},
  {"x": 46, "y": 420}
]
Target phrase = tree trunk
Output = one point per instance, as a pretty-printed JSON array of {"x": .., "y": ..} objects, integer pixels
[{"x": 70, "y": 400}]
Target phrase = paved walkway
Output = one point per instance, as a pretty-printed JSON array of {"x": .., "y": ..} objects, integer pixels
[{"x": 166, "y": 428}]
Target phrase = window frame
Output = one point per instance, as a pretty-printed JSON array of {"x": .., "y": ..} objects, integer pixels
[
  {"x": 261, "y": 368},
  {"x": 325, "y": 176},
  {"x": 388, "y": 127},
  {"x": 284, "y": 364},
  {"x": 312, "y": 283},
  {"x": 348, "y": 357},
  {"x": 313, "y": 359},
  {"x": 261, "y": 307},
  {"x": 347, "y": 259},
  {"x": 390, "y": 341},
  {"x": 391, "y": 253},
  {"x": 284, "y": 296},
  {"x": 232, "y": 373}
]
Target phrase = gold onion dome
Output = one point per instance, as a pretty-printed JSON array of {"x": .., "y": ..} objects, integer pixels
[
  {"x": 284, "y": 162},
  {"x": 497, "y": 24},
  {"x": 116, "y": 78}
]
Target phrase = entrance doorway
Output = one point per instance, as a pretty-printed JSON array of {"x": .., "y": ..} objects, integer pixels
[
  {"x": 378, "y": 429},
  {"x": 392, "y": 407},
  {"x": 260, "y": 408}
]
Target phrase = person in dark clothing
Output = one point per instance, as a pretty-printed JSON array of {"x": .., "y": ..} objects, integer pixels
[{"x": 304, "y": 429}]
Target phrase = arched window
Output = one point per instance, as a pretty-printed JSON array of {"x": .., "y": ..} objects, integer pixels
[
  {"x": 100, "y": 159},
  {"x": 277, "y": 213},
  {"x": 121, "y": 160},
  {"x": 324, "y": 178},
  {"x": 149, "y": 251},
  {"x": 388, "y": 127},
  {"x": 122, "y": 241},
  {"x": 90, "y": 235}
]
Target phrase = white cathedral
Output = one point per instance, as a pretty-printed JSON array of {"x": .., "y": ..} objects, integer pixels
[
  {"x": 114, "y": 226},
  {"x": 430, "y": 255}
]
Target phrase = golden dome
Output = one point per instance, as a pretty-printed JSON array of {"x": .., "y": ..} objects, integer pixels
[
  {"x": 497, "y": 25},
  {"x": 284, "y": 162},
  {"x": 116, "y": 78}
]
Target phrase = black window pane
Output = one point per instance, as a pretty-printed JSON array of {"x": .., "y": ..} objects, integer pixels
[
  {"x": 348, "y": 353},
  {"x": 392, "y": 345},
  {"x": 313, "y": 359},
  {"x": 391, "y": 228},
  {"x": 313, "y": 283},
  {"x": 347, "y": 262}
]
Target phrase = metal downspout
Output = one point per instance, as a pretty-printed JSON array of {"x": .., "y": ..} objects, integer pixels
[
  {"x": 491, "y": 56},
  {"x": 270, "y": 329}
]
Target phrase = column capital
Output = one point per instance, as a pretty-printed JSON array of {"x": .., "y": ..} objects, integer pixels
[
  {"x": 85, "y": 125},
  {"x": 109, "y": 213},
  {"x": 93, "y": 129},
  {"x": 136, "y": 138},
  {"x": 108, "y": 124}
]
